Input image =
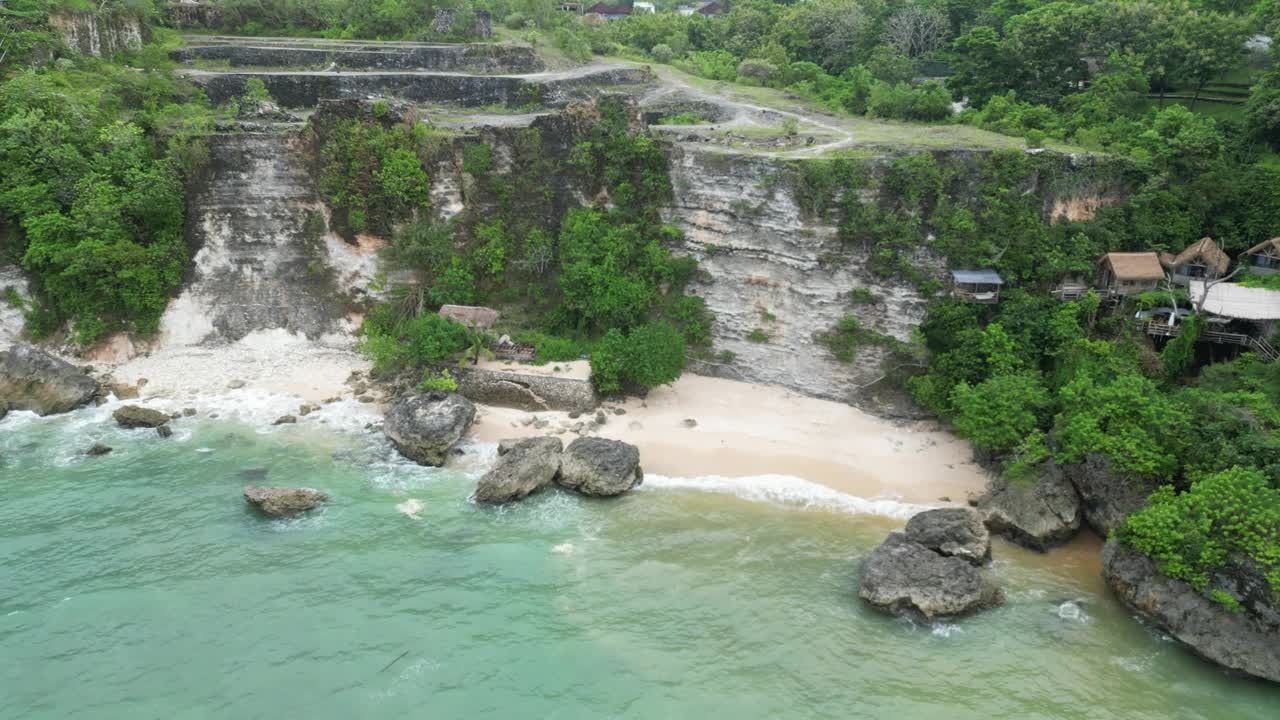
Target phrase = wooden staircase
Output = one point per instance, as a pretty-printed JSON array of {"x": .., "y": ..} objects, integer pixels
[{"x": 1255, "y": 344}]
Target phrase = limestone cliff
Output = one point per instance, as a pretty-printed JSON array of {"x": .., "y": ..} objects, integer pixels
[{"x": 100, "y": 34}]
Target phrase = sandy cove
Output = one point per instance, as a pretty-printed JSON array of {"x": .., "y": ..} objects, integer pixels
[
  {"x": 741, "y": 430},
  {"x": 745, "y": 430}
]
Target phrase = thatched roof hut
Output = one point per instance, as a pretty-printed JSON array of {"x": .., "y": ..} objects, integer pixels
[
  {"x": 1264, "y": 258},
  {"x": 470, "y": 315},
  {"x": 1125, "y": 273},
  {"x": 1202, "y": 253}
]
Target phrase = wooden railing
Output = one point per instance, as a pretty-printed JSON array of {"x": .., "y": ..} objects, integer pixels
[{"x": 1256, "y": 344}]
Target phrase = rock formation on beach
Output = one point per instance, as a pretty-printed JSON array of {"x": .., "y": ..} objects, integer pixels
[
  {"x": 1040, "y": 514},
  {"x": 32, "y": 379},
  {"x": 424, "y": 426},
  {"x": 598, "y": 466},
  {"x": 283, "y": 501},
  {"x": 133, "y": 416},
  {"x": 1247, "y": 640},
  {"x": 931, "y": 570},
  {"x": 1106, "y": 497},
  {"x": 523, "y": 467}
]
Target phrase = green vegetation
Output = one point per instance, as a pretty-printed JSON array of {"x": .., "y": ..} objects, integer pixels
[
  {"x": 598, "y": 281},
  {"x": 1224, "y": 517},
  {"x": 350, "y": 19},
  {"x": 758, "y": 336},
  {"x": 441, "y": 381},
  {"x": 93, "y": 160},
  {"x": 371, "y": 173}
]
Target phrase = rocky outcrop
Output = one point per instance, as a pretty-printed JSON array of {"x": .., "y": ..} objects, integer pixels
[
  {"x": 133, "y": 416},
  {"x": 524, "y": 467},
  {"x": 1105, "y": 496},
  {"x": 424, "y": 426},
  {"x": 100, "y": 34},
  {"x": 31, "y": 379},
  {"x": 905, "y": 578},
  {"x": 599, "y": 466},
  {"x": 1039, "y": 514},
  {"x": 283, "y": 501},
  {"x": 954, "y": 532},
  {"x": 526, "y": 391},
  {"x": 1245, "y": 641}
]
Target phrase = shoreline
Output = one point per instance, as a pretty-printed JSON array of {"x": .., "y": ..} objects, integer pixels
[{"x": 697, "y": 427}]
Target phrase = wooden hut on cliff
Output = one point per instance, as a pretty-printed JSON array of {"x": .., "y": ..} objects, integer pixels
[
  {"x": 1202, "y": 260},
  {"x": 1129, "y": 273},
  {"x": 1263, "y": 258},
  {"x": 976, "y": 286}
]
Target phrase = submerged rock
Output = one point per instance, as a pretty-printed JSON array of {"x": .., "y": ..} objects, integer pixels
[
  {"x": 4, "y": 409},
  {"x": 906, "y": 578},
  {"x": 98, "y": 449},
  {"x": 598, "y": 466},
  {"x": 955, "y": 532},
  {"x": 424, "y": 426},
  {"x": 1106, "y": 497},
  {"x": 1247, "y": 641},
  {"x": 524, "y": 467},
  {"x": 283, "y": 501},
  {"x": 31, "y": 379},
  {"x": 132, "y": 416},
  {"x": 1037, "y": 515},
  {"x": 164, "y": 431},
  {"x": 285, "y": 420}
]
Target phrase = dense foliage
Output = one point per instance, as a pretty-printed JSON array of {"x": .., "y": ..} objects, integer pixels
[
  {"x": 597, "y": 280},
  {"x": 93, "y": 160}
]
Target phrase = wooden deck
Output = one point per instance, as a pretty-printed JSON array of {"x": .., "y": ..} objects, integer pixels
[{"x": 1255, "y": 344}]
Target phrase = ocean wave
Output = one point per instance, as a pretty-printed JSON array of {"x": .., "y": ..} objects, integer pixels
[{"x": 787, "y": 491}]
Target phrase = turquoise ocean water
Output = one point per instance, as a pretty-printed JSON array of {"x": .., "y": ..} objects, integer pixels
[{"x": 139, "y": 585}]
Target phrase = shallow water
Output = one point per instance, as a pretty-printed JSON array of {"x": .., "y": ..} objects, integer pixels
[{"x": 139, "y": 585}]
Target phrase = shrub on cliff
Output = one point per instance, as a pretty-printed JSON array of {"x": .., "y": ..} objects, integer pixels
[
  {"x": 1223, "y": 517},
  {"x": 651, "y": 355},
  {"x": 372, "y": 174}
]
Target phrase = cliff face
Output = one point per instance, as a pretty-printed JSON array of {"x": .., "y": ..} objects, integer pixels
[
  {"x": 475, "y": 58},
  {"x": 265, "y": 257},
  {"x": 97, "y": 34},
  {"x": 768, "y": 267}
]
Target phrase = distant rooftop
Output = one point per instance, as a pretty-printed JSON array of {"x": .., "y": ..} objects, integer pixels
[{"x": 976, "y": 277}]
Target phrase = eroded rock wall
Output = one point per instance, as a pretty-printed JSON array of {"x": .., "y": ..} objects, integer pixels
[
  {"x": 477, "y": 58},
  {"x": 265, "y": 257},
  {"x": 100, "y": 35}
]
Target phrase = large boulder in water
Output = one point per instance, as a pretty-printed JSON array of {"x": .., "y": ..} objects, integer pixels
[
  {"x": 955, "y": 532},
  {"x": 524, "y": 467},
  {"x": 1247, "y": 641},
  {"x": 1039, "y": 514},
  {"x": 424, "y": 426},
  {"x": 31, "y": 379},
  {"x": 1106, "y": 497},
  {"x": 599, "y": 466},
  {"x": 908, "y": 579},
  {"x": 133, "y": 416},
  {"x": 283, "y": 501}
]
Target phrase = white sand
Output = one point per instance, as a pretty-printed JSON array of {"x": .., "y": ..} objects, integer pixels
[
  {"x": 745, "y": 430},
  {"x": 741, "y": 430}
]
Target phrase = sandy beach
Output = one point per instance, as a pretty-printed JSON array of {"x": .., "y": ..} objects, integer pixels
[
  {"x": 743, "y": 430},
  {"x": 696, "y": 427}
]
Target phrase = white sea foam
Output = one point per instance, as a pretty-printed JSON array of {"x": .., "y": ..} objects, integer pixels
[
  {"x": 563, "y": 549},
  {"x": 1070, "y": 610},
  {"x": 945, "y": 630},
  {"x": 787, "y": 491},
  {"x": 411, "y": 507}
]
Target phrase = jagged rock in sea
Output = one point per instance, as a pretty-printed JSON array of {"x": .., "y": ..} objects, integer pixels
[
  {"x": 31, "y": 379},
  {"x": 132, "y": 416},
  {"x": 599, "y": 466},
  {"x": 98, "y": 449},
  {"x": 1247, "y": 641},
  {"x": 1106, "y": 497},
  {"x": 4, "y": 409},
  {"x": 283, "y": 501},
  {"x": 1039, "y": 514},
  {"x": 523, "y": 467},
  {"x": 423, "y": 426},
  {"x": 954, "y": 532},
  {"x": 905, "y": 578}
]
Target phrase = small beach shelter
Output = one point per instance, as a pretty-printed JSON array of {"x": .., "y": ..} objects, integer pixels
[
  {"x": 1263, "y": 258},
  {"x": 1129, "y": 273},
  {"x": 1202, "y": 260},
  {"x": 976, "y": 286}
]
